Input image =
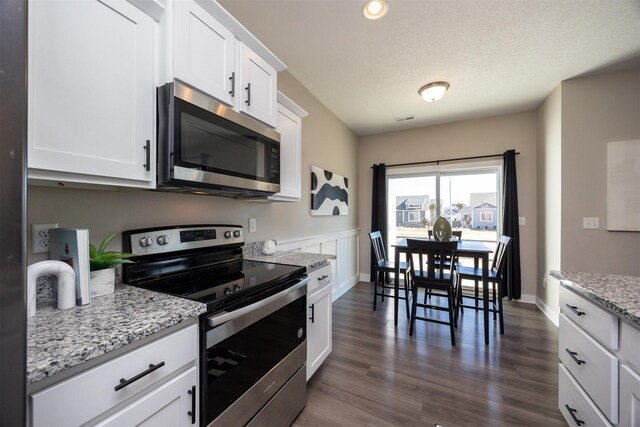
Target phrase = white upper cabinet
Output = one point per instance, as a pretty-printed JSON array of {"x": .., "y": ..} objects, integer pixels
[
  {"x": 205, "y": 52},
  {"x": 259, "y": 85},
  {"x": 91, "y": 93},
  {"x": 289, "y": 126},
  {"x": 208, "y": 49}
]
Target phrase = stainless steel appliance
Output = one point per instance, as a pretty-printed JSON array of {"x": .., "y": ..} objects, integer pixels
[
  {"x": 206, "y": 147},
  {"x": 253, "y": 337},
  {"x": 13, "y": 188}
]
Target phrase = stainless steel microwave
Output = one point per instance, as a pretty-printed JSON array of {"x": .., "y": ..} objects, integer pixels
[{"x": 205, "y": 147}]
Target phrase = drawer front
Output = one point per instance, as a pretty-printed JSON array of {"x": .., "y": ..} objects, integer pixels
[
  {"x": 629, "y": 397},
  {"x": 630, "y": 345},
  {"x": 87, "y": 395},
  {"x": 319, "y": 278},
  {"x": 596, "y": 321},
  {"x": 591, "y": 365},
  {"x": 574, "y": 403}
]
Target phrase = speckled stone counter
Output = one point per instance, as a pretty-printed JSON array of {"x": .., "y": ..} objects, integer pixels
[
  {"x": 253, "y": 252},
  {"x": 619, "y": 294},
  {"x": 60, "y": 339}
]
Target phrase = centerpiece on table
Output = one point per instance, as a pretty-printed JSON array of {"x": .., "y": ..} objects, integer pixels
[{"x": 102, "y": 265}]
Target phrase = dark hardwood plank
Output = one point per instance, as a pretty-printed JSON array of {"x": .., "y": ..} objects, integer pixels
[{"x": 377, "y": 375}]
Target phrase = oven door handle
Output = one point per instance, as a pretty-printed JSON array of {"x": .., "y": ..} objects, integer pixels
[{"x": 227, "y": 316}]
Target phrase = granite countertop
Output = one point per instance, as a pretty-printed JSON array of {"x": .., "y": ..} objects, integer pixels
[
  {"x": 60, "y": 339},
  {"x": 253, "y": 252},
  {"x": 619, "y": 294}
]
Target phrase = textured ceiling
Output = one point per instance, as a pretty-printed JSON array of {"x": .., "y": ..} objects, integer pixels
[{"x": 499, "y": 56}]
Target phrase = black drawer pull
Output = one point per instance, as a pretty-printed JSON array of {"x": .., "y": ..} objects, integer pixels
[
  {"x": 313, "y": 313},
  {"x": 575, "y": 310},
  {"x": 321, "y": 278},
  {"x": 192, "y": 412},
  {"x": 248, "y": 89},
  {"x": 124, "y": 383},
  {"x": 572, "y": 412},
  {"x": 573, "y": 355},
  {"x": 147, "y": 148},
  {"x": 232, "y": 92}
]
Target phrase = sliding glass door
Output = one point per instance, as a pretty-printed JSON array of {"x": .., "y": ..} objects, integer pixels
[{"x": 468, "y": 198}]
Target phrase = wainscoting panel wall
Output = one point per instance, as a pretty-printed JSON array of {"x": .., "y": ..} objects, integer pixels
[{"x": 344, "y": 245}]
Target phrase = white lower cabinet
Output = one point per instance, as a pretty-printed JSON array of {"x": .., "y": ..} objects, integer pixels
[
  {"x": 575, "y": 405},
  {"x": 172, "y": 404},
  {"x": 319, "y": 321},
  {"x": 152, "y": 382},
  {"x": 629, "y": 397}
]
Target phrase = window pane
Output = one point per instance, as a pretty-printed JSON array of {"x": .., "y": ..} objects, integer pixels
[{"x": 411, "y": 206}]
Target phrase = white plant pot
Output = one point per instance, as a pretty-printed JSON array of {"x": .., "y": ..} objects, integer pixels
[{"x": 103, "y": 282}]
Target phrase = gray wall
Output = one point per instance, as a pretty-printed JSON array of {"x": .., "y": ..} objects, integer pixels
[{"x": 326, "y": 142}]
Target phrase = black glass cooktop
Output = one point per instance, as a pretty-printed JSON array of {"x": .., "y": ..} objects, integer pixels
[{"x": 227, "y": 286}]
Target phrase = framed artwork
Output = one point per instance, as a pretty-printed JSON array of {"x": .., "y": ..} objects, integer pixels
[{"x": 329, "y": 193}]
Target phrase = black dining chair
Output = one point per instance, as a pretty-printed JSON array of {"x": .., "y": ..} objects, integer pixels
[
  {"x": 495, "y": 276},
  {"x": 458, "y": 234},
  {"x": 433, "y": 276},
  {"x": 382, "y": 268}
]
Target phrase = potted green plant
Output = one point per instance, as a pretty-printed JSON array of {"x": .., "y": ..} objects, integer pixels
[{"x": 102, "y": 266}]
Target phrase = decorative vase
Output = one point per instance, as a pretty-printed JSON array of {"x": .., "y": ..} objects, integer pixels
[
  {"x": 103, "y": 282},
  {"x": 441, "y": 230}
]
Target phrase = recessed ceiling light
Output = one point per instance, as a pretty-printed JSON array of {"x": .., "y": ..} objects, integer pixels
[
  {"x": 375, "y": 9},
  {"x": 432, "y": 92}
]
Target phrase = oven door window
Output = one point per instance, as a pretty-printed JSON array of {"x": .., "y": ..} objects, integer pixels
[
  {"x": 214, "y": 144},
  {"x": 235, "y": 364}
]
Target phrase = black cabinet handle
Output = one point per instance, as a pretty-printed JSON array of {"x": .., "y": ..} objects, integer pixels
[
  {"x": 313, "y": 313},
  {"x": 147, "y": 147},
  {"x": 321, "y": 278},
  {"x": 248, "y": 89},
  {"x": 232, "y": 92},
  {"x": 124, "y": 383},
  {"x": 192, "y": 412},
  {"x": 575, "y": 309},
  {"x": 573, "y": 355},
  {"x": 572, "y": 412}
]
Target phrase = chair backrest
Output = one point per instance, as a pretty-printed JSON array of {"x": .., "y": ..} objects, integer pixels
[
  {"x": 377, "y": 245},
  {"x": 425, "y": 256},
  {"x": 499, "y": 257},
  {"x": 457, "y": 233}
]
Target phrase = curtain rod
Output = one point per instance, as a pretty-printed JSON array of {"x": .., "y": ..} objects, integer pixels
[{"x": 437, "y": 162}]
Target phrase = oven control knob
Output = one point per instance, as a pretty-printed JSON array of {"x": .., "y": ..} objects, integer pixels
[
  {"x": 146, "y": 241},
  {"x": 236, "y": 233},
  {"x": 227, "y": 291},
  {"x": 227, "y": 234},
  {"x": 163, "y": 240},
  {"x": 236, "y": 288}
]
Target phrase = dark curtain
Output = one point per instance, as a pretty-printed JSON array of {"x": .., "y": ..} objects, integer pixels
[
  {"x": 512, "y": 283},
  {"x": 379, "y": 206}
]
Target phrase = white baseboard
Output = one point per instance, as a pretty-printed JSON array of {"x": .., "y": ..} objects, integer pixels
[
  {"x": 544, "y": 308},
  {"x": 527, "y": 299},
  {"x": 337, "y": 293}
]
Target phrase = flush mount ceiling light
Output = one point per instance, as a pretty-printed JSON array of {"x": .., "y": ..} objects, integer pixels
[
  {"x": 375, "y": 9},
  {"x": 432, "y": 92}
]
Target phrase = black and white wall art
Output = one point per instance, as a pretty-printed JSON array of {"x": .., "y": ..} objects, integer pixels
[{"x": 329, "y": 193}]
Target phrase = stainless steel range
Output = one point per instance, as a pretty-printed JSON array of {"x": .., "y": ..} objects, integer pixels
[{"x": 252, "y": 338}]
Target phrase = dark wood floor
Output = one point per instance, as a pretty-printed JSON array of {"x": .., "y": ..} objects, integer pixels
[{"x": 377, "y": 375}]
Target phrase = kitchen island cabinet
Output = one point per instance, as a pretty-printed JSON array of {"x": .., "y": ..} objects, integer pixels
[
  {"x": 91, "y": 94},
  {"x": 599, "y": 341}
]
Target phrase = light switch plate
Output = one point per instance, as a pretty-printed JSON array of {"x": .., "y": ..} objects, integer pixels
[
  {"x": 252, "y": 225},
  {"x": 522, "y": 220},
  {"x": 591, "y": 223}
]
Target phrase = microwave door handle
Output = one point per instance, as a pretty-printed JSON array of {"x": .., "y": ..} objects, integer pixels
[{"x": 225, "y": 316}]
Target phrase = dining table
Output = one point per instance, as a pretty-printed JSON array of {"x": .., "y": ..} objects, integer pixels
[{"x": 466, "y": 249}]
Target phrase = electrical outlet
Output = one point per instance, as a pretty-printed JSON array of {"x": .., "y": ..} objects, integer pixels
[
  {"x": 591, "y": 223},
  {"x": 252, "y": 225},
  {"x": 40, "y": 237}
]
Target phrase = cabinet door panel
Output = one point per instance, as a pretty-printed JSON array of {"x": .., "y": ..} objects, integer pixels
[
  {"x": 204, "y": 52},
  {"x": 290, "y": 129},
  {"x": 168, "y": 405},
  {"x": 318, "y": 329},
  {"x": 91, "y": 88},
  {"x": 258, "y": 87},
  {"x": 629, "y": 397}
]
